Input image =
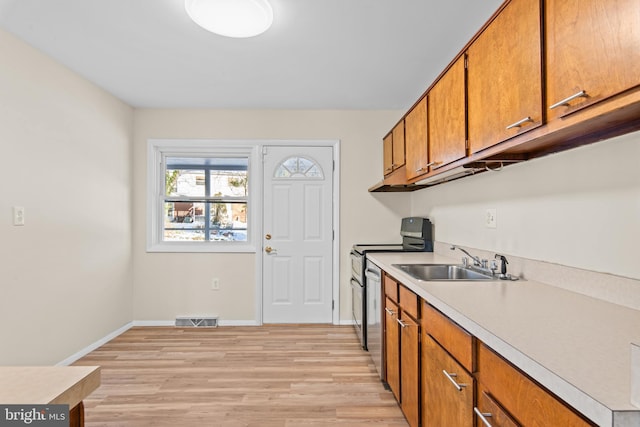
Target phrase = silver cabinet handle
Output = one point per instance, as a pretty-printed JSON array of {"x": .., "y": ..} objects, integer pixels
[
  {"x": 424, "y": 168},
  {"x": 483, "y": 416},
  {"x": 389, "y": 311},
  {"x": 404, "y": 325},
  {"x": 568, "y": 99},
  {"x": 519, "y": 123},
  {"x": 450, "y": 377}
]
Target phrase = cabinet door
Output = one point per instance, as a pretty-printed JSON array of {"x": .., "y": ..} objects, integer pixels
[
  {"x": 415, "y": 124},
  {"x": 446, "y": 400},
  {"x": 410, "y": 369},
  {"x": 392, "y": 347},
  {"x": 490, "y": 411},
  {"x": 398, "y": 145},
  {"x": 505, "y": 76},
  {"x": 387, "y": 154},
  {"x": 447, "y": 117},
  {"x": 592, "y": 46},
  {"x": 516, "y": 393}
]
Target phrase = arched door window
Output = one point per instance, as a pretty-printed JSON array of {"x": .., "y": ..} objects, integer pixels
[{"x": 298, "y": 167}]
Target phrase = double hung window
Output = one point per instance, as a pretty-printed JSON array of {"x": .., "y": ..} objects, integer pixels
[{"x": 201, "y": 199}]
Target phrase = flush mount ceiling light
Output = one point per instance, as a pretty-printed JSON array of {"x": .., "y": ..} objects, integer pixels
[{"x": 231, "y": 18}]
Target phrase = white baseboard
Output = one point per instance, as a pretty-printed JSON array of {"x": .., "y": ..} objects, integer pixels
[{"x": 69, "y": 360}]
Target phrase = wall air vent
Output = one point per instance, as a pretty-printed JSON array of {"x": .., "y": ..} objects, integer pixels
[{"x": 196, "y": 322}]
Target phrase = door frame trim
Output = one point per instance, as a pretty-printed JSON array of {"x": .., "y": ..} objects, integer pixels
[{"x": 335, "y": 275}]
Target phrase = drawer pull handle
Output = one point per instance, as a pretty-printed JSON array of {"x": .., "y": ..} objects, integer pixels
[
  {"x": 404, "y": 325},
  {"x": 424, "y": 168},
  {"x": 483, "y": 416},
  {"x": 390, "y": 312},
  {"x": 581, "y": 94},
  {"x": 519, "y": 123},
  {"x": 450, "y": 377}
]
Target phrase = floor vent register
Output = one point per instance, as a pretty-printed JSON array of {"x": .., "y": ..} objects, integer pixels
[{"x": 197, "y": 322}]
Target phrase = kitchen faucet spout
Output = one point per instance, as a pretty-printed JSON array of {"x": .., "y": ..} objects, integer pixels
[{"x": 476, "y": 260}]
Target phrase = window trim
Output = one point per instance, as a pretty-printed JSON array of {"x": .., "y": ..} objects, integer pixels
[{"x": 157, "y": 150}]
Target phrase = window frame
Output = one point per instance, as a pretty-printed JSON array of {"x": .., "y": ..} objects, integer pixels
[{"x": 157, "y": 151}]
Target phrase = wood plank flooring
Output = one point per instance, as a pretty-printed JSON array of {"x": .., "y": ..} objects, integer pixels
[{"x": 267, "y": 376}]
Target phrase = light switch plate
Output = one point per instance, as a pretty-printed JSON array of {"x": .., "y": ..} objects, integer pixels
[{"x": 491, "y": 220}]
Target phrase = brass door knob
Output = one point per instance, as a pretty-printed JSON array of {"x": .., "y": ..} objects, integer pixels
[
  {"x": 268, "y": 249},
  {"x": 267, "y": 236}
]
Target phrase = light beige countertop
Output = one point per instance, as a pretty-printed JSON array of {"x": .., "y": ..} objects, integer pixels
[
  {"x": 42, "y": 385},
  {"x": 577, "y": 346}
]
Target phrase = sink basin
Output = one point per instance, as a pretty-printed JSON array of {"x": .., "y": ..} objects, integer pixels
[{"x": 442, "y": 272}]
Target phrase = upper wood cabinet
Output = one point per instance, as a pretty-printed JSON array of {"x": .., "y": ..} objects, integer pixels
[
  {"x": 393, "y": 149},
  {"x": 415, "y": 124},
  {"x": 447, "y": 116},
  {"x": 505, "y": 76},
  {"x": 593, "y": 51},
  {"x": 387, "y": 153},
  {"x": 398, "y": 145}
]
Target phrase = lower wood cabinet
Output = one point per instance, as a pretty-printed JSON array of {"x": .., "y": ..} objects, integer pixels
[
  {"x": 527, "y": 403},
  {"x": 402, "y": 348},
  {"x": 490, "y": 412},
  {"x": 410, "y": 369},
  {"x": 447, "y": 395},
  {"x": 441, "y": 375},
  {"x": 392, "y": 347}
]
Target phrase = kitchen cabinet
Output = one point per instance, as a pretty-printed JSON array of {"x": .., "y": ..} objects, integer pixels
[
  {"x": 447, "y": 360},
  {"x": 415, "y": 122},
  {"x": 505, "y": 76},
  {"x": 393, "y": 149},
  {"x": 490, "y": 411},
  {"x": 447, "y": 388},
  {"x": 592, "y": 52},
  {"x": 392, "y": 347},
  {"x": 447, "y": 118},
  {"x": 525, "y": 401},
  {"x": 542, "y": 76},
  {"x": 402, "y": 347}
]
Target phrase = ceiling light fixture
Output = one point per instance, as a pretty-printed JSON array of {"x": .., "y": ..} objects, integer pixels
[{"x": 231, "y": 18}]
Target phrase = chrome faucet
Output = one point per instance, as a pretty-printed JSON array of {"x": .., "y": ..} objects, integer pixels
[{"x": 476, "y": 260}]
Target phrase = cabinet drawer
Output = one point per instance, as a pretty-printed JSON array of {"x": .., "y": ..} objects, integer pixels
[
  {"x": 457, "y": 341},
  {"x": 409, "y": 302},
  {"x": 493, "y": 413},
  {"x": 391, "y": 288},
  {"x": 516, "y": 393}
]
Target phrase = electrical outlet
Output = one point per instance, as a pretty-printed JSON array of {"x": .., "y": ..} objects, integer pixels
[
  {"x": 18, "y": 215},
  {"x": 491, "y": 218},
  {"x": 215, "y": 284}
]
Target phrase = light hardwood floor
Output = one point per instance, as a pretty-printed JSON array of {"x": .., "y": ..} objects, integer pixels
[{"x": 268, "y": 376}]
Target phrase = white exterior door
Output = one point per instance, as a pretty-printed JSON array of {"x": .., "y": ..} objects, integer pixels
[{"x": 298, "y": 235}]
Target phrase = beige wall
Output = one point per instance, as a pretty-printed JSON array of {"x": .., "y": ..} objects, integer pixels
[
  {"x": 168, "y": 285},
  {"x": 579, "y": 208},
  {"x": 66, "y": 275}
]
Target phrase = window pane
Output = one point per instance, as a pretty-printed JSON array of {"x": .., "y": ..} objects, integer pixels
[
  {"x": 181, "y": 182},
  {"x": 228, "y": 221},
  {"x": 228, "y": 183},
  {"x": 184, "y": 221}
]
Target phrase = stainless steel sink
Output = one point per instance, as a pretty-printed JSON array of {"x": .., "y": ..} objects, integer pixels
[{"x": 442, "y": 272}]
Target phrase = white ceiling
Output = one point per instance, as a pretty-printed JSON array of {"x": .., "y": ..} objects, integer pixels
[{"x": 319, "y": 54}]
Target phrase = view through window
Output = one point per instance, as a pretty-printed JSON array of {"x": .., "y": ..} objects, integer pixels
[{"x": 205, "y": 199}]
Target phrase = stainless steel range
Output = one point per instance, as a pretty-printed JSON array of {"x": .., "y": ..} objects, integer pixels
[{"x": 366, "y": 282}]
